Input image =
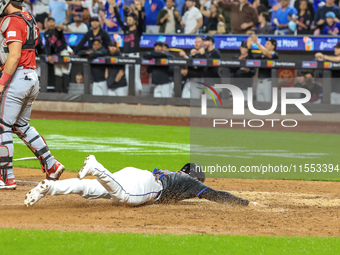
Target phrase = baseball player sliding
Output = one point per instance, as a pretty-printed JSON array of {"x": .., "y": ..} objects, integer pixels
[
  {"x": 19, "y": 86},
  {"x": 134, "y": 186}
]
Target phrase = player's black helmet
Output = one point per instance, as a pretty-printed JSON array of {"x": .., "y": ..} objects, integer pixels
[{"x": 194, "y": 171}]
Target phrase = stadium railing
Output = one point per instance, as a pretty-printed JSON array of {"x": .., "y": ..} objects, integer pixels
[{"x": 274, "y": 65}]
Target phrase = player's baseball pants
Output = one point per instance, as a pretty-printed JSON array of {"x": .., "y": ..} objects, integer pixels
[
  {"x": 99, "y": 88},
  {"x": 190, "y": 89},
  {"x": 130, "y": 186},
  {"x": 164, "y": 90},
  {"x": 63, "y": 68},
  {"x": 335, "y": 98},
  {"x": 120, "y": 92},
  {"x": 16, "y": 105},
  {"x": 264, "y": 90},
  {"x": 138, "y": 82}
]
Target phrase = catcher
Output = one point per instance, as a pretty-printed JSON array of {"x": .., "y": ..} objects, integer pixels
[
  {"x": 134, "y": 186},
  {"x": 19, "y": 86}
]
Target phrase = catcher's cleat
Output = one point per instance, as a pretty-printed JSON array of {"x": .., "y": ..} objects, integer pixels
[
  {"x": 35, "y": 194},
  {"x": 8, "y": 184},
  {"x": 55, "y": 171},
  {"x": 88, "y": 168}
]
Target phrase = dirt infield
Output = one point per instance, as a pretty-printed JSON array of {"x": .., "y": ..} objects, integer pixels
[{"x": 297, "y": 208}]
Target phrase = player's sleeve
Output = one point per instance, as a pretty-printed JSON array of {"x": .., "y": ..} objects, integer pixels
[
  {"x": 198, "y": 14},
  {"x": 222, "y": 197},
  {"x": 13, "y": 33}
]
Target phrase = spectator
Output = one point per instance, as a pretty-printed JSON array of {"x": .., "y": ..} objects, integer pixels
[
  {"x": 152, "y": 8},
  {"x": 40, "y": 10},
  {"x": 133, "y": 31},
  {"x": 192, "y": 74},
  {"x": 309, "y": 8},
  {"x": 243, "y": 16},
  {"x": 197, "y": 52},
  {"x": 78, "y": 26},
  {"x": 264, "y": 26},
  {"x": 243, "y": 76},
  {"x": 179, "y": 5},
  {"x": 212, "y": 53},
  {"x": 314, "y": 87},
  {"x": 161, "y": 75},
  {"x": 56, "y": 44},
  {"x": 259, "y": 6},
  {"x": 99, "y": 87},
  {"x": 57, "y": 11},
  {"x": 74, "y": 7},
  {"x": 192, "y": 19},
  {"x": 95, "y": 7},
  {"x": 320, "y": 17},
  {"x": 221, "y": 25},
  {"x": 331, "y": 27},
  {"x": 119, "y": 4},
  {"x": 282, "y": 18},
  {"x": 304, "y": 20},
  {"x": 109, "y": 21},
  {"x": 335, "y": 95},
  {"x": 169, "y": 19},
  {"x": 166, "y": 47},
  {"x": 264, "y": 86},
  {"x": 115, "y": 74},
  {"x": 95, "y": 33},
  {"x": 77, "y": 88},
  {"x": 79, "y": 78},
  {"x": 213, "y": 16},
  {"x": 77, "y": 6}
]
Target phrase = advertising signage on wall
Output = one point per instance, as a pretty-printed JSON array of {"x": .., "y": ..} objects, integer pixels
[{"x": 225, "y": 42}]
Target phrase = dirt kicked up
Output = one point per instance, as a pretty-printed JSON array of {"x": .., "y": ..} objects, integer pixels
[{"x": 297, "y": 208}]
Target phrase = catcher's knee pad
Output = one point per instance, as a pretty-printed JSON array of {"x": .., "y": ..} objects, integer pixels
[
  {"x": 4, "y": 127},
  {"x": 5, "y": 161},
  {"x": 29, "y": 135}
]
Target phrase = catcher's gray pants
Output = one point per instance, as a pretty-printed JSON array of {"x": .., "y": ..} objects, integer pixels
[{"x": 16, "y": 103}]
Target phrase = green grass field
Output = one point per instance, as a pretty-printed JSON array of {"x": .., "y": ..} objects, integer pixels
[
  {"x": 119, "y": 145},
  {"x": 14, "y": 241}
]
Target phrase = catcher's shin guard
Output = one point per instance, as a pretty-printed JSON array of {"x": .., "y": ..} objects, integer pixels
[
  {"x": 36, "y": 144},
  {"x": 6, "y": 166}
]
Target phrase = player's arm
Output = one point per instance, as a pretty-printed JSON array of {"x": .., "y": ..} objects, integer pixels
[
  {"x": 11, "y": 63},
  {"x": 118, "y": 17},
  {"x": 332, "y": 58},
  {"x": 119, "y": 75},
  {"x": 263, "y": 49}
]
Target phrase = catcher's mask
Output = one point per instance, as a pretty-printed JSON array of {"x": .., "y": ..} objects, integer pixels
[
  {"x": 194, "y": 171},
  {"x": 4, "y": 3}
]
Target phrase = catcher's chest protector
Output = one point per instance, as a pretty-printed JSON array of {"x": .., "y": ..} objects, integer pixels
[{"x": 32, "y": 35}]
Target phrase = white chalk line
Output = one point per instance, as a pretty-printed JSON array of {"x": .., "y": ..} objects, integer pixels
[{"x": 131, "y": 146}]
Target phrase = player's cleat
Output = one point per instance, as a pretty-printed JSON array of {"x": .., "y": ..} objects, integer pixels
[
  {"x": 35, "y": 194},
  {"x": 8, "y": 184},
  {"x": 55, "y": 171},
  {"x": 88, "y": 168}
]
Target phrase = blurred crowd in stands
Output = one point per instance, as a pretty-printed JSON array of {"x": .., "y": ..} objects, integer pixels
[
  {"x": 278, "y": 17},
  {"x": 96, "y": 18}
]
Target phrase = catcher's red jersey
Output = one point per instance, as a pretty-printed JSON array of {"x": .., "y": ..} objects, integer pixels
[{"x": 17, "y": 32}]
